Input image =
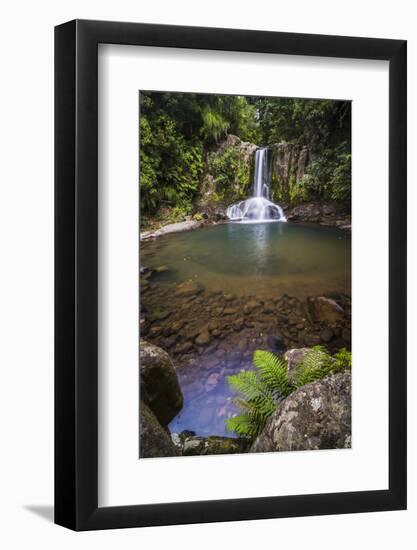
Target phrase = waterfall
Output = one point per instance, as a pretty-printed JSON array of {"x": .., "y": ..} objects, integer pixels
[{"x": 258, "y": 208}]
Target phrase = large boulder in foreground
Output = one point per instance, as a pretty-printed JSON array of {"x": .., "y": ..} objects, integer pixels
[
  {"x": 316, "y": 416},
  {"x": 159, "y": 387},
  {"x": 154, "y": 441}
]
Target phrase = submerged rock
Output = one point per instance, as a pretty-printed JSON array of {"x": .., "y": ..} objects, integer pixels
[
  {"x": 159, "y": 386},
  {"x": 325, "y": 310},
  {"x": 154, "y": 441},
  {"x": 203, "y": 338},
  {"x": 316, "y": 416},
  {"x": 189, "y": 288}
]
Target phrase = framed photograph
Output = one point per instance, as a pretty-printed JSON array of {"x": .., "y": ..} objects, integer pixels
[{"x": 230, "y": 244}]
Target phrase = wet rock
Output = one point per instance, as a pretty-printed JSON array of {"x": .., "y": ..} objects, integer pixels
[
  {"x": 159, "y": 386},
  {"x": 238, "y": 323},
  {"x": 193, "y": 446},
  {"x": 160, "y": 315},
  {"x": 316, "y": 416},
  {"x": 293, "y": 319},
  {"x": 183, "y": 348},
  {"x": 242, "y": 345},
  {"x": 212, "y": 381},
  {"x": 203, "y": 338},
  {"x": 275, "y": 342},
  {"x": 230, "y": 311},
  {"x": 326, "y": 335},
  {"x": 250, "y": 306},
  {"x": 325, "y": 310},
  {"x": 189, "y": 288},
  {"x": 155, "y": 331},
  {"x": 213, "y": 445},
  {"x": 154, "y": 441},
  {"x": 311, "y": 339}
]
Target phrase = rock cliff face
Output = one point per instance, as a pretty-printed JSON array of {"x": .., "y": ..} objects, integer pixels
[
  {"x": 288, "y": 165},
  {"x": 228, "y": 178},
  {"x": 316, "y": 416}
]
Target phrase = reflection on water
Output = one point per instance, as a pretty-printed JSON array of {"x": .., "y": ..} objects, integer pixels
[
  {"x": 257, "y": 258},
  {"x": 235, "y": 264}
]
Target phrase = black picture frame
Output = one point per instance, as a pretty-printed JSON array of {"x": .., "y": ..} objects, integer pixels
[{"x": 76, "y": 271}]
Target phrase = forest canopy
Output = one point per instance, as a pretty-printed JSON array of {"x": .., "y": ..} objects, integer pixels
[{"x": 180, "y": 131}]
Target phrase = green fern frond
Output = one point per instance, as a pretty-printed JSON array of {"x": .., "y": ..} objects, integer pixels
[
  {"x": 248, "y": 384},
  {"x": 262, "y": 390},
  {"x": 243, "y": 425},
  {"x": 316, "y": 364},
  {"x": 342, "y": 360},
  {"x": 273, "y": 372}
]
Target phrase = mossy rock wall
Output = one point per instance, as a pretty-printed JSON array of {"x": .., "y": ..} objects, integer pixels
[{"x": 288, "y": 165}]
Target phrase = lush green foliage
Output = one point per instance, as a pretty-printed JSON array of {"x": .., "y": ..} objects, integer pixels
[
  {"x": 263, "y": 389},
  {"x": 176, "y": 132},
  {"x": 231, "y": 174},
  {"x": 179, "y": 133},
  {"x": 323, "y": 125}
]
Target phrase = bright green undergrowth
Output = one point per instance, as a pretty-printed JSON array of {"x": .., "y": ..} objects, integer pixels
[{"x": 260, "y": 391}]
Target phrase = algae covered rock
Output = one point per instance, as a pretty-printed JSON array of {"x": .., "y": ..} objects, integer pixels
[{"x": 212, "y": 445}]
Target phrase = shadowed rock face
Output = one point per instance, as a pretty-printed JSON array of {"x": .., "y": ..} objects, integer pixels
[
  {"x": 154, "y": 440},
  {"x": 289, "y": 162},
  {"x": 316, "y": 416},
  {"x": 159, "y": 385}
]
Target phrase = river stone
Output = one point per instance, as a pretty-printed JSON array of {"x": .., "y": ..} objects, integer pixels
[
  {"x": 311, "y": 339},
  {"x": 212, "y": 381},
  {"x": 230, "y": 311},
  {"x": 203, "y": 338},
  {"x": 325, "y": 310},
  {"x": 189, "y": 288},
  {"x": 316, "y": 416},
  {"x": 154, "y": 441},
  {"x": 183, "y": 348},
  {"x": 213, "y": 445},
  {"x": 159, "y": 385},
  {"x": 251, "y": 306},
  {"x": 326, "y": 335}
]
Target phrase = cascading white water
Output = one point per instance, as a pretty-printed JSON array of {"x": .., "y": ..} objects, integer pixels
[{"x": 258, "y": 208}]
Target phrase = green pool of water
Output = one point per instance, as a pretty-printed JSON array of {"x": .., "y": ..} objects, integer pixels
[{"x": 259, "y": 259}]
